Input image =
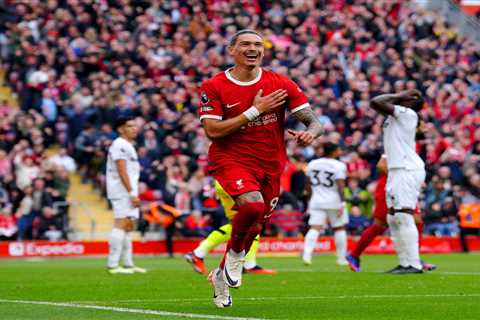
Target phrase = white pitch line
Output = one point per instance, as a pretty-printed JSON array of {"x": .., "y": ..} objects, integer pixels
[
  {"x": 455, "y": 273},
  {"x": 296, "y": 270},
  {"x": 376, "y": 296},
  {"x": 458, "y": 273},
  {"x": 128, "y": 310}
]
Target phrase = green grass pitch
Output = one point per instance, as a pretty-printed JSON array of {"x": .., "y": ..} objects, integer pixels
[{"x": 81, "y": 289}]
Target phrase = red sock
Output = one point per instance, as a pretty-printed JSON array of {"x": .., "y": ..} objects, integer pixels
[
  {"x": 366, "y": 238},
  {"x": 222, "y": 263},
  {"x": 248, "y": 214},
  {"x": 420, "y": 233},
  {"x": 252, "y": 233}
]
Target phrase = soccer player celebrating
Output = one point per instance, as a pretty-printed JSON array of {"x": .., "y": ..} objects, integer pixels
[
  {"x": 221, "y": 235},
  {"x": 406, "y": 173},
  {"x": 123, "y": 173},
  {"x": 326, "y": 182},
  {"x": 242, "y": 111},
  {"x": 379, "y": 224}
]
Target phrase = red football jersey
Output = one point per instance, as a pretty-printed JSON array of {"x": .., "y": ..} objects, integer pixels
[{"x": 261, "y": 141}]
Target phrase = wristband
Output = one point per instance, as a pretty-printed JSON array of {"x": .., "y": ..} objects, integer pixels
[
  {"x": 132, "y": 194},
  {"x": 251, "y": 113}
]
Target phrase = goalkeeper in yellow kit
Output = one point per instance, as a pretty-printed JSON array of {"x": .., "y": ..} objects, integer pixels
[{"x": 221, "y": 235}]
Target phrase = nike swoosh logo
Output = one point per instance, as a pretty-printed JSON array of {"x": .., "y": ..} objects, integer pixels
[
  {"x": 232, "y": 105},
  {"x": 229, "y": 280}
]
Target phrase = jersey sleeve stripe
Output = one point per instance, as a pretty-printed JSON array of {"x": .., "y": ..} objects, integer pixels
[
  {"x": 210, "y": 116},
  {"x": 300, "y": 107}
]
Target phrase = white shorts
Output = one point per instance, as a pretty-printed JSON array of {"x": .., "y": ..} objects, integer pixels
[
  {"x": 318, "y": 217},
  {"x": 403, "y": 188},
  {"x": 123, "y": 208}
]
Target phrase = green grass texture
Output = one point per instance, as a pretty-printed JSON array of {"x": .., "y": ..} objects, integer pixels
[{"x": 82, "y": 289}]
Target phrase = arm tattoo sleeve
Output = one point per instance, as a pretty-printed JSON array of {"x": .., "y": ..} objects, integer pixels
[
  {"x": 310, "y": 120},
  {"x": 253, "y": 196}
]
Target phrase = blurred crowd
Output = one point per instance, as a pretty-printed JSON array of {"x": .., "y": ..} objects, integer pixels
[
  {"x": 78, "y": 65},
  {"x": 33, "y": 185}
]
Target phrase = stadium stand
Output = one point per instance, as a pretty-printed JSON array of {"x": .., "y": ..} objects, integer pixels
[{"x": 76, "y": 66}]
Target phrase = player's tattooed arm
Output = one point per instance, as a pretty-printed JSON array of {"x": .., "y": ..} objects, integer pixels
[
  {"x": 248, "y": 197},
  {"x": 310, "y": 120}
]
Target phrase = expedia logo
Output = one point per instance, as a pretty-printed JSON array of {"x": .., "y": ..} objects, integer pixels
[
  {"x": 61, "y": 249},
  {"x": 32, "y": 249},
  {"x": 16, "y": 249}
]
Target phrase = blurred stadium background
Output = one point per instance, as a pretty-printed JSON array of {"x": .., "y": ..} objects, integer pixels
[{"x": 70, "y": 68}]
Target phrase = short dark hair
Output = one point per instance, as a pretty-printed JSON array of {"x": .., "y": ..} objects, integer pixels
[
  {"x": 234, "y": 38},
  {"x": 329, "y": 148},
  {"x": 122, "y": 120}
]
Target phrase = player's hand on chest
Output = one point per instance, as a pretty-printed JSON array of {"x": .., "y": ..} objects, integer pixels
[{"x": 267, "y": 100}]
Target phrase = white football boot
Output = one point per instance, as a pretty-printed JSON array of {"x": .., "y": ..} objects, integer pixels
[
  {"x": 342, "y": 262},
  {"x": 232, "y": 271},
  {"x": 119, "y": 270},
  {"x": 307, "y": 259},
  {"x": 136, "y": 269},
  {"x": 221, "y": 293}
]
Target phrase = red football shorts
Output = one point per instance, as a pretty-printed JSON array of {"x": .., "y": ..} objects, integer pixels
[{"x": 236, "y": 180}]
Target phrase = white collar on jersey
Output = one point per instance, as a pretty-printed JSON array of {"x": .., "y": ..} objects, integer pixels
[{"x": 243, "y": 83}]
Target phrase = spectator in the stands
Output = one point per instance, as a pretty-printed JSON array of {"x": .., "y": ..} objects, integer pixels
[
  {"x": 64, "y": 160},
  {"x": 357, "y": 221},
  {"x": 8, "y": 226},
  {"x": 85, "y": 150},
  {"x": 286, "y": 221},
  {"x": 355, "y": 196},
  {"x": 24, "y": 214},
  {"x": 26, "y": 170},
  {"x": 440, "y": 215},
  {"x": 50, "y": 225}
]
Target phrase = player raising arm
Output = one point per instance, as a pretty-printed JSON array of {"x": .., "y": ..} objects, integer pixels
[
  {"x": 406, "y": 173},
  {"x": 242, "y": 111}
]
